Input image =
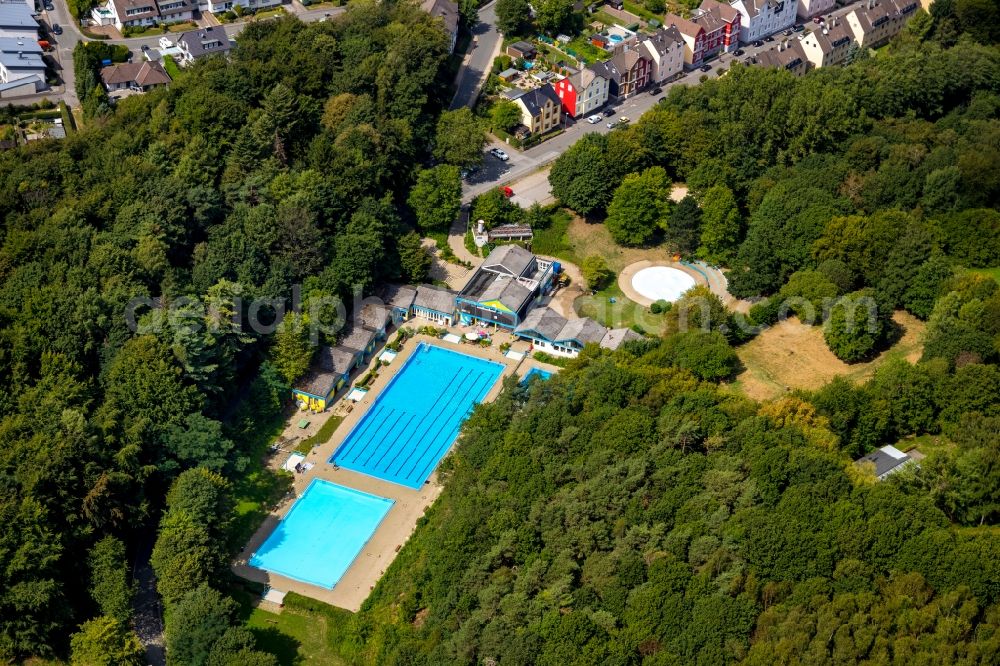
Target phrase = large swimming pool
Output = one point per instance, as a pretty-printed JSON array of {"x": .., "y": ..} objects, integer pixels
[
  {"x": 322, "y": 534},
  {"x": 414, "y": 421}
]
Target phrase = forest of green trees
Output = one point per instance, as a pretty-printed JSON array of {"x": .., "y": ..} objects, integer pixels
[
  {"x": 287, "y": 165},
  {"x": 630, "y": 510}
]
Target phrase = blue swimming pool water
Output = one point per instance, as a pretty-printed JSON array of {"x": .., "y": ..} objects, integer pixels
[
  {"x": 414, "y": 421},
  {"x": 322, "y": 533},
  {"x": 536, "y": 372}
]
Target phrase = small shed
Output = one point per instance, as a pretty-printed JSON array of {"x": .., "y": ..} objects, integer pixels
[
  {"x": 600, "y": 41},
  {"x": 522, "y": 50},
  {"x": 509, "y": 75}
]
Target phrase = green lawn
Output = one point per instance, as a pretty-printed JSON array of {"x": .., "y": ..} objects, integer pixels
[
  {"x": 172, "y": 67},
  {"x": 256, "y": 490},
  {"x": 322, "y": 435},
  {"x": 622, "y": 313},
  {"x": 582, "y": 47},
  {"x": 553, "y": 241},
  {"x": 991, "y": 272},
  {"x": 304, "y": 632}
]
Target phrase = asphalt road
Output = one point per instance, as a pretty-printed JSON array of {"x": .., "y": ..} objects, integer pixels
[
  {"x": 484, "y": 48},
  {"x": 521, "y": 164}
]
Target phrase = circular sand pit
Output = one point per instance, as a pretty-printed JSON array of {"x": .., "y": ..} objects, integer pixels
[{"x": 662, "y": 283}]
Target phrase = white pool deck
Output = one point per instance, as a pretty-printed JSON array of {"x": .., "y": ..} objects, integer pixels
[{"x": 410, "y": 504}]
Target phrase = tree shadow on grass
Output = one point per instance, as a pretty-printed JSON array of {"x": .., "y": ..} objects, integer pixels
[{"x": 282, "y": 646}]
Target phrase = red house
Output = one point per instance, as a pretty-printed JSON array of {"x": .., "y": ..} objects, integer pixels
[{"x": 712, "y": 28}]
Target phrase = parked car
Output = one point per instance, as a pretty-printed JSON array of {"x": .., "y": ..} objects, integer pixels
[
  {"x": 165, "y": 43},
  {"x": 624, "y": 120},
  {"x": 706, "y": 68},
  {"x": 608, "y": 113},
  {"x": 738, "y": 52},
  {"x": 48, "y": 7},
  {"x": 788, "y": 32},
  {"x": 758, "y": 43},
  {"x": 799, "y": 28},
  {"x": 594, "y": 119},
  {"x": 56, "y": 29},
  {"x": 499, "y": 154},
  {"x": 144, "y": 47},
  {"x": 769, "y": 38},
  {"x": 656, "y": 91},
  {"x": 817, "y": 19},
  {"x": 506, "y": 191}
]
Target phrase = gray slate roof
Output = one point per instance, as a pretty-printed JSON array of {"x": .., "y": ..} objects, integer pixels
[
  {"x": 374, "y": 315},
  {"x": 584, "y": 330},
  {"x": 508, "y": 291},
  {"x": 435, "y": 298},
  {"x": 205, "y": 41},
  {"x": 535, "y": 100},
  {"x": 510, "y": 259},
  {"x": 357, "y": 337},
  {"x": 330, "y": 365},
  {"x": 19, "y": 45},
  {"x": 17, "y": 15},
  {"x": 615, "y": 337},
  {"x": 546, "y": 322},
  {"x": 400, "y": 296}
]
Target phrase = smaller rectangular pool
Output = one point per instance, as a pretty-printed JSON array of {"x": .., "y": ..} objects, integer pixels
[{"x": 321, "y": 534}]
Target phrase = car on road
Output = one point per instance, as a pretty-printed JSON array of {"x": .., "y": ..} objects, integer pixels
[
  {"x": 769, "y": 38},
  {"x": 594, "y": 119},
  {"x": 608, "y": 113},
  {"x": 798, "y": 28},
  {"x": 48, "y": 7},
  {"x": 706, "y": 68},
  {"x": 759, "y": 43},
  {"x": 656, "y": 91},
  {"x": 56, "y": 29},
  {"x": 788, "y": 32},
  {"x": 738, "y": 52},
  {"x": 817, "y": 19},
  {"x": 499, "y": 154},
  {"x": 506, "y": 191}
]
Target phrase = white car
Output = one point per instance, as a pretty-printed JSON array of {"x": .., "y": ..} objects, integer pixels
[
  {"x": 165, "y": 43},
  {"x": 499, "y": 154},
  {"x": 593, "y": 120}
]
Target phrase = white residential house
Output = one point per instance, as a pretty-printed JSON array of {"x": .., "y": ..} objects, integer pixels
[
  {"x": 550, "y": 332},
  {"x": 219, "y": 6},
  {"x": 829, "y": 44},
  {"x": 878, "y": 21},
  {"x": 581, "y": 93},
  {"x": 809, "y": 8},
  {"x": 665, "y": 48},
  {"x": 133, "y": 13},
  {"x": 202, "y": 42},
  {"x": 22, "y": 69},
  {"x": 764, "y": 17},
  {"x": 175, "y": 11}
]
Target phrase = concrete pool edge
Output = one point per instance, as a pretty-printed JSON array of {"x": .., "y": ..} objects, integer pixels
[
  {"x": 297, "y": 504},
  {"x": 398, "y": 372},
  {"x": 401, "y": 521}
]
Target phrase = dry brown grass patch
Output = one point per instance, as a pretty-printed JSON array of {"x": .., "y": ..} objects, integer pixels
[{"x": 792, "y": 355}]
